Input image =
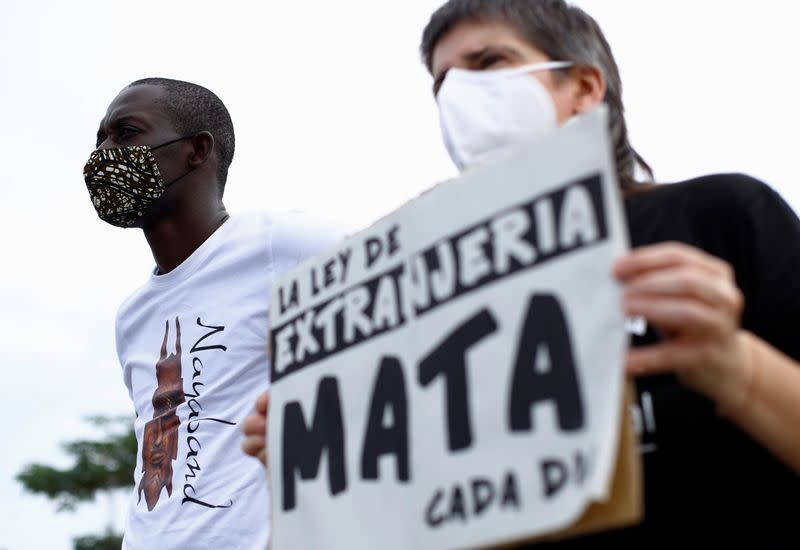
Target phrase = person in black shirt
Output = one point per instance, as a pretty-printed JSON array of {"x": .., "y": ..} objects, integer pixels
[{"x": 713, "y": 273}]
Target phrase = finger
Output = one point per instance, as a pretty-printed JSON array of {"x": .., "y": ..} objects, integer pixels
[
  {"x": 262, "y": 403},
  {"x": 659, "y": 256},
  {"x": 254, "y": 425},
  {"x": 662, "y": 358},
  {"x": 254, "y": 445},
  {"x": 682, "y": 316},
  {"x": 721, "y": 370},
  {"x": 688, "y": 282}
]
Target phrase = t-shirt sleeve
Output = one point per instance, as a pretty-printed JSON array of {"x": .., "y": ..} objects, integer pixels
[
  {"x": 298, "y": 236},
  {"x": 771, "y": 230}
]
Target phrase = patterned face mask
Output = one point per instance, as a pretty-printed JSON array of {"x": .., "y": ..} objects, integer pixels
[{"x": 123, "y": 182}]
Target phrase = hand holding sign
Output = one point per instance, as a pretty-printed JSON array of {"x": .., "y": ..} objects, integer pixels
[
  {"x": 693, "y": 299},
  {"x": 255, "y": 428}
]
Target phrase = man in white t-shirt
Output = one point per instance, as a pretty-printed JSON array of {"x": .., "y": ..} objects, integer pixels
[{"x": 192, "y": 340}]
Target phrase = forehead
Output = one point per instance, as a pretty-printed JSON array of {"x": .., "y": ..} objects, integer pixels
[
  {"x": 469, "y": 37},
  {"x": 140, "y": 102}
]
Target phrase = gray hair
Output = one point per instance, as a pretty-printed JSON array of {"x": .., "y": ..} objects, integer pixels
[{"x": 564, "y": 33}]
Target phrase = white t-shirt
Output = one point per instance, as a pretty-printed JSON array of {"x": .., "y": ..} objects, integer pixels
[{"x": 192, "y": 344}]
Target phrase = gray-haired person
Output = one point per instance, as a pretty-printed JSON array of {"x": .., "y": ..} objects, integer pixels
[{"x": 713, "y": 271}]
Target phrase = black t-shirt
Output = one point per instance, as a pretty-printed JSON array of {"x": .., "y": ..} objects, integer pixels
[{"x": 707, "y": 484}]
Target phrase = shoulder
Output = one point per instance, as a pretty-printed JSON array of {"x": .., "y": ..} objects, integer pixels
[
  {"x": 133, "y": 303},
  {"x": 133, "y": 312},
  {"x": 250, "y": 224},
  {"x": 717, "y": 191},
  {"x": 702, "y": 208},
  {"x": 285, "y": 232},
  {"x": 297, "y": 235}
]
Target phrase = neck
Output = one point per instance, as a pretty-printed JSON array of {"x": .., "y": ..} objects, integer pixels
[{"x": 175, "y": 237}]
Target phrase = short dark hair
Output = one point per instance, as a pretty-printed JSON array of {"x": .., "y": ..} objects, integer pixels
[
  {"x": 193, "y": 109},
  {"x": 564, "y": 33}
]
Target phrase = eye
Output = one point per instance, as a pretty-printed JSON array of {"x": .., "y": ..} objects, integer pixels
[
  {"x": 127, "y": 132},
  {"x": 489, "y": 61}
]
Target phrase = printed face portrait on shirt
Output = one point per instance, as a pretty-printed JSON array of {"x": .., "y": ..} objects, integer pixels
[{"x": 160, "y": 446}]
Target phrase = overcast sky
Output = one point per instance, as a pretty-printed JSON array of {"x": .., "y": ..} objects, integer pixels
[{"x": 334, "y": 115}]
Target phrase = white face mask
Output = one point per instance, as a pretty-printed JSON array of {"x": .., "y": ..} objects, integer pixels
[{"x": 484, "y": 111}]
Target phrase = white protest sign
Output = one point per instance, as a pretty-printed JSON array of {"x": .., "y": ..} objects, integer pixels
[{"x": 451, "y": 377}]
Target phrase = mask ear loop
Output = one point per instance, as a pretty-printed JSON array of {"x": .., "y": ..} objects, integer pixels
[
  {"x": 539, "y": 67},
  {"x": 490, "y": 76},
  {"x": 176, "y": 140},
  {"x": 170, "y": 143}
]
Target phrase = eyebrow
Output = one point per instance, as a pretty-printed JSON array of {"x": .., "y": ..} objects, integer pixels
[
  {"x": 472, "y": 57},
  {"x": 117, "y": 121}
]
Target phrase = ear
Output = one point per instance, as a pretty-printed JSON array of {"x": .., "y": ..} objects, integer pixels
[
  {"x": 203, "y": 144},
  {"x": 590, "y": 90}
]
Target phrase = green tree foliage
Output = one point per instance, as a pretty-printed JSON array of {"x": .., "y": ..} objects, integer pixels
[
  {"x": 99, "y": 466},
  {"x": 110, "y": 541}
]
